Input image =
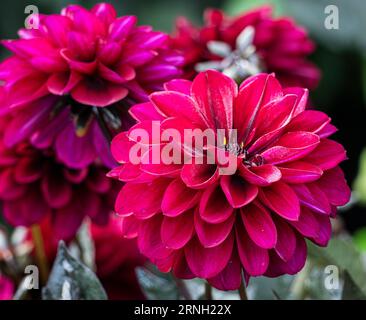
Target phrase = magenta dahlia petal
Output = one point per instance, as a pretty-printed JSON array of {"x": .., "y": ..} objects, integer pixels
[
  {"x": 230, "y": 277},
  {"x": 335, "y": 187},
  {"x": 327, "y": 131},
  {"x": 178, "y": 85},
  {"x": 327, "y": 155},
  {"x": 172, "y": 206},
  {"x": 130, "y": 227},
  {"x": 325, "y": 230},
  {"x": 170, "y": 104},
  {"x": 10, "y": 189},
  {"x": 263, "y": 175},
  {"x": 7, "y": 288},
  {"x": 290, "y": 147},
  {"x": 212, "y": 234},
  {"x": 307, "y": 224},
  {"x": 312, "y": 196},
  {"x": 18, "y": 213},
  {"x": 286, "y": 240},
  {"x": 200, "y": 258},
  {"x": 23, "y": 126},
  {"x": 57, "y": 193},
  {"x": 279, "y": 267},
  {"x": 149, "y": 239},
  {"x": 214, "y": 208},
  {"x": 259, "y": 225},
  {"x": 214, "y": 96},
  {"x": 253, "y": 99},
  {"x": 199, "y": 176},
  {"x": 281, "y": 199},
  {"x": 253, "y": 258},
  {"x": 145, "y": 111},
  {"x": 27, "y": 170},
  {"x": 67, "y": 220},
  {"x": 299, "y": 172},
  {"x": 275, "y": 116},
  {"x": 309, "y": 120},
  {"x": 177, "y": 231},
  {"x": 73, "y": 149},
  {"x": 238, "y": 192},
  {"x": 202, "y": 217}
]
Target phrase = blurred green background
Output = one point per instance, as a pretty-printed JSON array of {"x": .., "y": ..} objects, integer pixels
[{"x": 340, "y": 55}]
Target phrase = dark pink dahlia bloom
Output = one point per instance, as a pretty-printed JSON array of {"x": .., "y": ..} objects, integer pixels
[
  {"x": 75, "y": 62},
  {"x": 193, "y": 220},
  {"x": 34, "y": 186},
  {"x": 271, "y": 45}
]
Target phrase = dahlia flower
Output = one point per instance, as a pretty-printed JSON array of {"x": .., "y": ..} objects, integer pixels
[
  {"x": 68, "y": 83},
  {"x": 33, "y": 186},
  {"x": 245, "y": 45},
  {"x": 198, "y": 220}
]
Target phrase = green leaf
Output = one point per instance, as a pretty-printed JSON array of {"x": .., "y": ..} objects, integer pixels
[
  {"x": 350, "y": 290},
  {"x": 72, "y": 280},
  {"x": 360, "y": 182},
  {"x": 360, "y": 238},
  {"x": 235, "y": 7},
  {"x": 157, "y": 285},
  {"x": 342, "y": 253}
]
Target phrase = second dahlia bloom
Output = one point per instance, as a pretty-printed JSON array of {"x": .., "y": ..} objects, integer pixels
[
  {"x": 71, "y": 80},
  {"x": 247, "y": 44},
  {"x": 197, "y": 222},
  {"x": 35, "y": 186}
]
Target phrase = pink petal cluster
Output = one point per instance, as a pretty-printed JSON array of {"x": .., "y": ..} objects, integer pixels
[
  {"x": 73, "y": 62},
  {"x": 34, "y": 186},
  {"x": 282, "y": 45},
  {"x": 6, "y": 288},
  {"x": 190, "y": 219}
]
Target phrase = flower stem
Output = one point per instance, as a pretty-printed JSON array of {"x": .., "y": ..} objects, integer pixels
[
  {"x": 242, "y": 291},
  {"x": 182, "y": 288},
  {"x": 40, "y": 252},
  {"x": 102, "y": 124},
  {"x": 208, "y": 291}
]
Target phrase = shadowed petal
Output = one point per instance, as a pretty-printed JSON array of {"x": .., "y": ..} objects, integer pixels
[
  {"x": 211, "y": 235},
  {"x": 282, "y": 200},
  {"x": 335, "y": 187},
  {"x": 208, "y": 262},
  {"x": 178, "y": 198},
  {"x": 214, "y": 208},
  {"x": 237, "y": 191},
  {"x": 253, "y": 258},
  {"x": 259, "y": 225},
  {"x": 230, "y": 277},
  {"x": 177, "y": 231}
]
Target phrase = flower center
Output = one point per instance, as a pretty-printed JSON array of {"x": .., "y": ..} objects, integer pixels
[
  {"x": 240, "y": 151},
  {"x": 236, "y": 149}
]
